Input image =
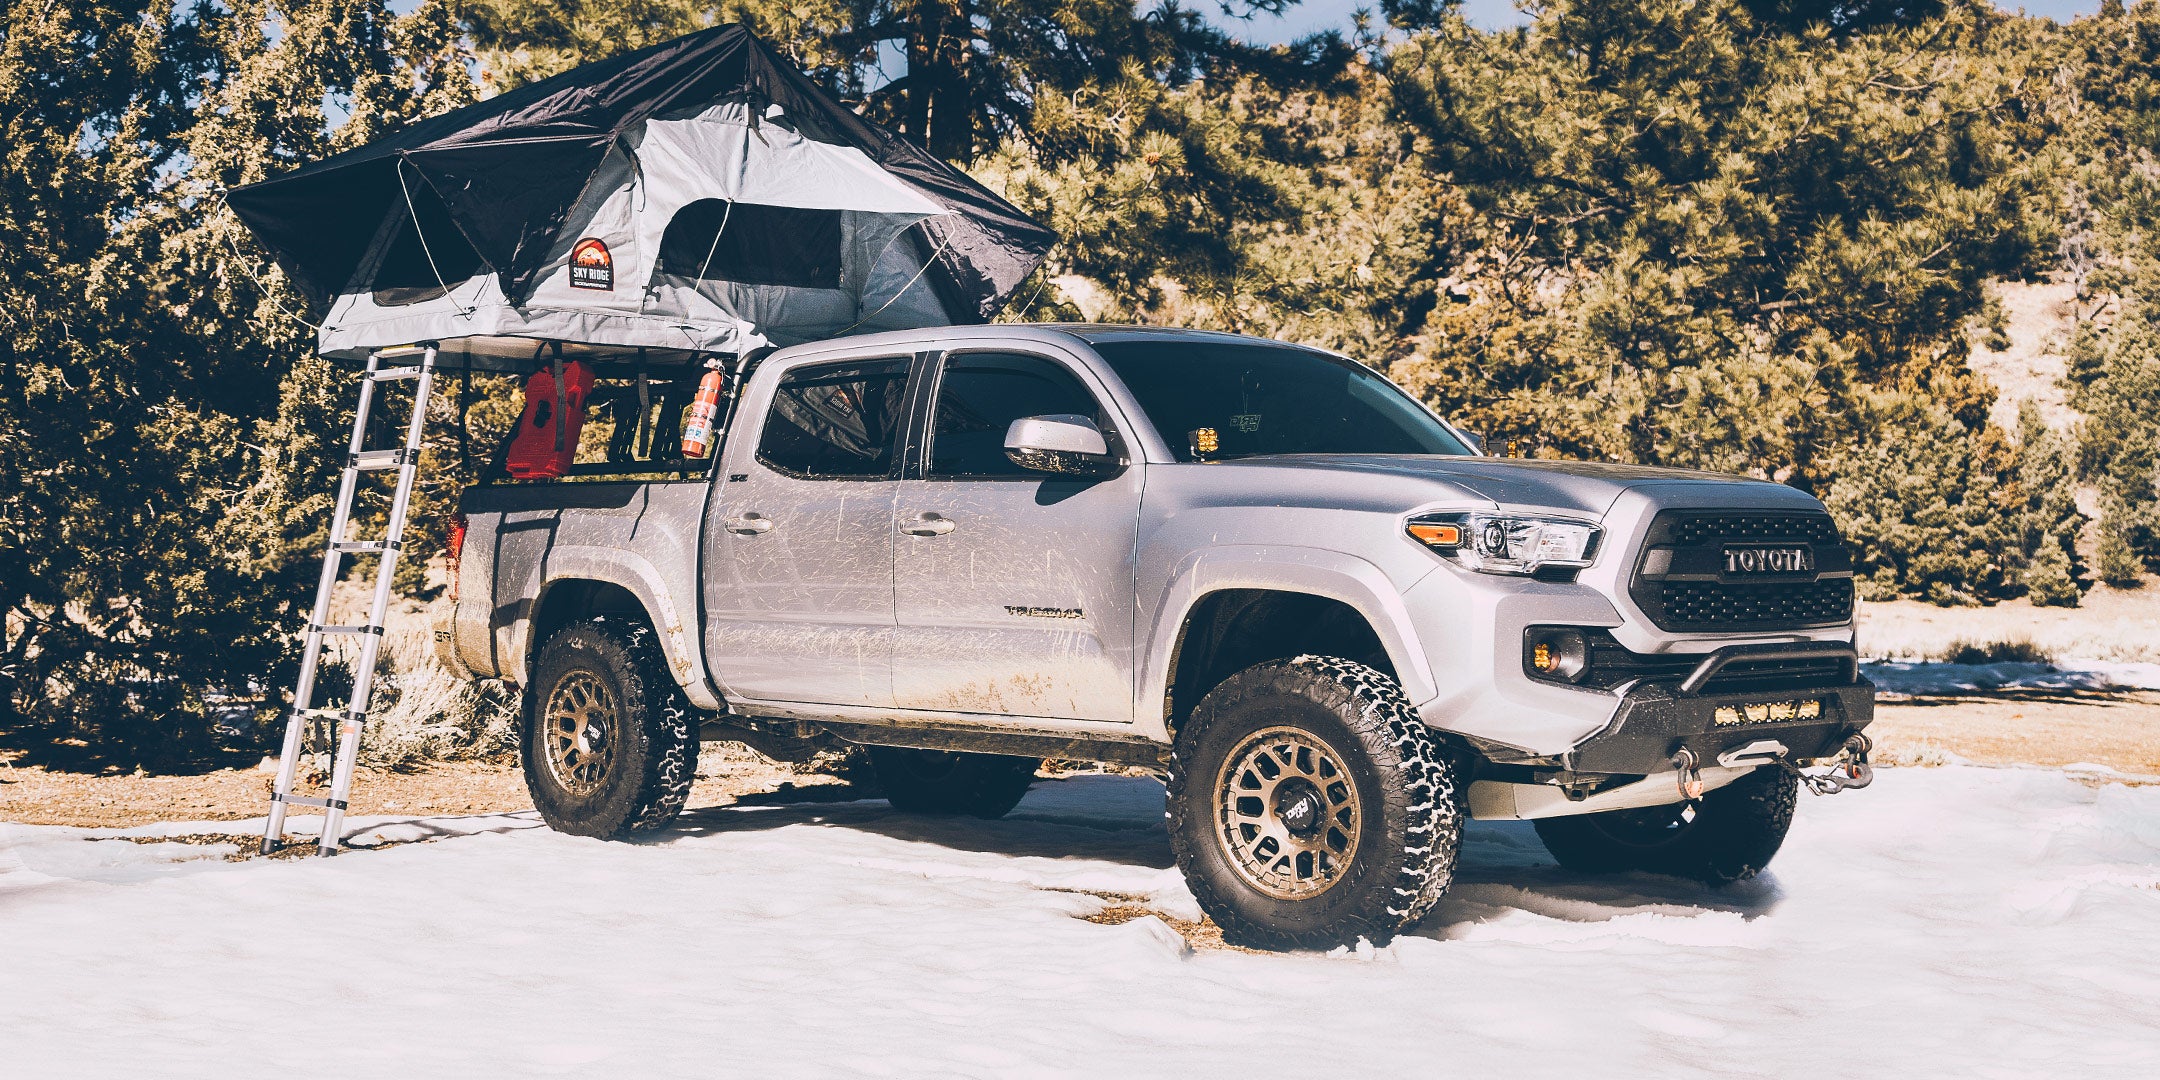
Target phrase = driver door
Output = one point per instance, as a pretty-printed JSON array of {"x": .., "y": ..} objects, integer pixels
[{"x": 1014, "y": 590}]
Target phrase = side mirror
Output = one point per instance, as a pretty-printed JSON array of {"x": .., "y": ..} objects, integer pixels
[
  {"x": 1062, "y": 443},
  {"x": 1477, "y": 442}
]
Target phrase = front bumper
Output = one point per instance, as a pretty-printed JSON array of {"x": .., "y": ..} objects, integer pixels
[{"x": 1655, "y": 721}]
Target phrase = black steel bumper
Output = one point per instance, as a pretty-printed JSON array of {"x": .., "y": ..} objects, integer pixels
[{"x": 1656, "y": 720}]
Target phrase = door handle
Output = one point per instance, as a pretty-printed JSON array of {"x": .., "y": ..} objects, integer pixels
[
  {"x": 929, "y": 524},
  {"x": 750, "y": 524}
]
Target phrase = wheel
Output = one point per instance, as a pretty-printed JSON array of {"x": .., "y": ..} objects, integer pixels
[
  {"x": 1727, "y": 835},
  {"x": 609, "y": 744},
  {"x": 1310, "y": 807},
  {"x": 938, "y": 782}
]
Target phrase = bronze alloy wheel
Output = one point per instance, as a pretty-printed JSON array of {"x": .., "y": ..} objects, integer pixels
[
  {"x": 1289, "y": 813},
  {"x": 582, "y": 720}
]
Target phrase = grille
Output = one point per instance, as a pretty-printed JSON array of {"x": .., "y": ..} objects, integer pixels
[
  {"x": 1726, "y": 528},
  {"x": 1687, "y": 602},
  {"x": 1704, "y": 605}
]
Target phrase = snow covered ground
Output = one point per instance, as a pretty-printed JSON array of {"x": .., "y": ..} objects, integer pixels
[
  {"x": 1935, "y": 677},
  {"x": 1959, "y": 921}
]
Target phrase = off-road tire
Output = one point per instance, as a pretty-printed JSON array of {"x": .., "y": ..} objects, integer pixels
[
  {"x": 939, "y": 782},
  {"x": 1731, "y": 836},
  {"x": 1408, "y": 812},
  {"x": 652, "y": 760}
]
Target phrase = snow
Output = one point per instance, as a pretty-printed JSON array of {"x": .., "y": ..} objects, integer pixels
[
  {"x": 1944, "y": 678},
  {"x": 1957, "y": 921}
]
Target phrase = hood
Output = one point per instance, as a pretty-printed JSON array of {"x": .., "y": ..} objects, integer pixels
[{"x": 1584, "y": 487}]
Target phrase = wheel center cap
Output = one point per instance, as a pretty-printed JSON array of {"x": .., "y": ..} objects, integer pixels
[{"x": 1297, "y": 804}]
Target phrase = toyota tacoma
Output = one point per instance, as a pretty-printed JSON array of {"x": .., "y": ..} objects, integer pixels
[{"x": 1332, "y": 625}]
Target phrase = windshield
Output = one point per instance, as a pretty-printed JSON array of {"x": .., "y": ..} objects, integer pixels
[{"x": 1263, "y": 398}]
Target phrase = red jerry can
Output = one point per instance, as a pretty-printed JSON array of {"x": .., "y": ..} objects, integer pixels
[{"x": 547, "y": 435}]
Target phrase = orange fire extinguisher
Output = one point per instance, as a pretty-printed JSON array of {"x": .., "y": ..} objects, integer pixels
[{"x": 698, "y": 433}]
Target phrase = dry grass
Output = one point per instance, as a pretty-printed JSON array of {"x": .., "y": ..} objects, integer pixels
[
  {"x": 2019, "y": 651},
  {"x": 1121, "y": 908},
  {"x": 2111, "y": 624},
  {"x": 419, "y": 710}
]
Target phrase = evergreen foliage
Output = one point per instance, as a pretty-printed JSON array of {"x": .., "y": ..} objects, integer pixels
[
  {"x": 2047, "y": 579},
  {"x": 1746, "y": 235}
]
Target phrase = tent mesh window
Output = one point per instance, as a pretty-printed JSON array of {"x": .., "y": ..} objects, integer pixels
[
  {"x": 406, "y": 275},
  {"x": 759, "y": 245}
]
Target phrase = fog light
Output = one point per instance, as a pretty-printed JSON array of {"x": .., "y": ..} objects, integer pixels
[{"x": 1558, "y": 654}]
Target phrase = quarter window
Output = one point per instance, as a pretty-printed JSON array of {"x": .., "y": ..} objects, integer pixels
[
  {"x": 979, "y": 397},
  {"x": 837, "y": 421}
]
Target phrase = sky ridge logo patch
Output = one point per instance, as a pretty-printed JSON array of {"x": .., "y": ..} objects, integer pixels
[{"x": 591, "y": 267}]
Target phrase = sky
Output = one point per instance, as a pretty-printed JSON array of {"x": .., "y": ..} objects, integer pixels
[{"x": 1311, "y": 15}]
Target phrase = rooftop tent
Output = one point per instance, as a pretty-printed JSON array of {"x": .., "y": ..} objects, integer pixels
[{"x": 699, "y": 195}]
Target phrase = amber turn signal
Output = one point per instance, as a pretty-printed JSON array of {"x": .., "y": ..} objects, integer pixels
[{"x": 1437, "y": 534}]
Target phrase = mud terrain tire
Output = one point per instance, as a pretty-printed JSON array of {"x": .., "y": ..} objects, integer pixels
[
  {"x": 1323, "y": 759},
  {"x": 1729, "y": 834},
  {"x": 609, "y": 745}
]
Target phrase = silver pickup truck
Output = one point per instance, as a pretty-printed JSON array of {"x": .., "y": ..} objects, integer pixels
[{"x": 1334, "y": 627}]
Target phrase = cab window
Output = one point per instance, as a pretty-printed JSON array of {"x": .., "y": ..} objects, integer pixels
[
  {"x": 980, "y": 395},
  {"x": 837, "y": 421}
]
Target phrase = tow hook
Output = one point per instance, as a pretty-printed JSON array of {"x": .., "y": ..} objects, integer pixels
[
  {"x": 1853, "y": 772},
  {"x": 1689, "y": 775}
]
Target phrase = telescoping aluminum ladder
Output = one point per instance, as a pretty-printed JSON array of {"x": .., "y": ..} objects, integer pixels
[{"x": 350, "y": 721}]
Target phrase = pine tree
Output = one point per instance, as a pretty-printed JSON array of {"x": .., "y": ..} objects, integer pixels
[
  {"x": 2047, "y": 579},
  {"x": 2117, "y": 561},
  {"x": 138, "y": 352}
]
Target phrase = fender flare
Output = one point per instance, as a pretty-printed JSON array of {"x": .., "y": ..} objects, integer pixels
[
  {"x": 635, "y": 574},
  {"x": 1278, "y": 568}
]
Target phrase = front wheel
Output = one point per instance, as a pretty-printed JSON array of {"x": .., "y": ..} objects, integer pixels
[
  {"x": 1727, "y": 835},
  {"x": 1310, "y": 807}
]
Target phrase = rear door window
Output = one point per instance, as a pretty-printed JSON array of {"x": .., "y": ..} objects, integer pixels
[{"x": 837, "y": 421}]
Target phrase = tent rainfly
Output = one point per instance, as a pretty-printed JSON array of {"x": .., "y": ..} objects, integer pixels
[{"x": 697, "y": 196}]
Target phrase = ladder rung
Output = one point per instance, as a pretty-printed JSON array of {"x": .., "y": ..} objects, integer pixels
[
  {"x": 333, "y": 714},
  {"x": 370, "y": 460},
  {"x": 399, "y": 372},
  {"x": 366, "y": 546},
  {"x": 309, "y": 800},
  {"x": 318, "y": 628}
]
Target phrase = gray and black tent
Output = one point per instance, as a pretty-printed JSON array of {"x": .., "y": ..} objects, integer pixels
[{"x": 699, "y": 195}]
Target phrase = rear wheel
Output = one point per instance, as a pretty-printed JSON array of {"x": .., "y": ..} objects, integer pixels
[
  {"x": 1310, "y": 807},
  {"x": 942, "y": 782},
  {"x": 608, "y": 743},
  {"x": 1727, "y": 835}
]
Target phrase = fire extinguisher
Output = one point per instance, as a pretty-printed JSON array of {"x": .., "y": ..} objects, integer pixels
[{"x": 698, "y": 433}]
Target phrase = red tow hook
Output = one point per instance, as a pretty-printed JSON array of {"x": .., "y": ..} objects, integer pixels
[
  {"x": 1851, "y": 773},
  {"x": 1689, "y": 775}
]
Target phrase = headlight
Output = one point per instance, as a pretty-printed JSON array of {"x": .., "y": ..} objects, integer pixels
[{"x": 1507, "y": 543}]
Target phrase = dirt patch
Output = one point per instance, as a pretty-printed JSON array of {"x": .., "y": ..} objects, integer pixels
[
  {"x": 250, "y": 845},
  {"x": 2120, "y": 731},
  {"x": 38, "y": 796},
  {"x": 1121, "y": 908}
]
